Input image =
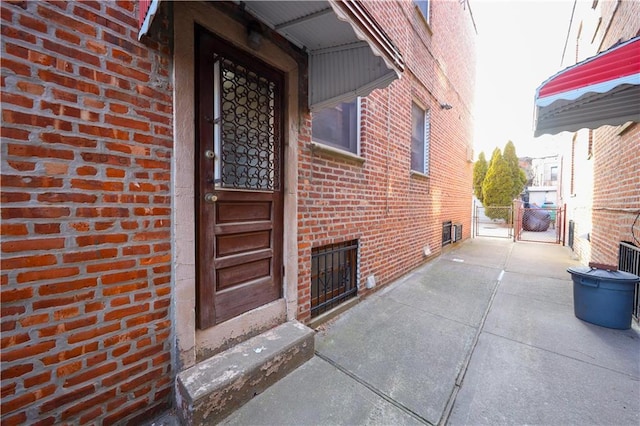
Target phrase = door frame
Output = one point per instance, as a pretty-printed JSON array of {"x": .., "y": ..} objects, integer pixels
[
  {"x": 212, "y": 307},
  {"x": 192, "y": 344}
]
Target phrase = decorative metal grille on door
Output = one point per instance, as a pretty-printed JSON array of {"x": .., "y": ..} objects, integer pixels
[
  {"x": 239, "y": 202},
  {"x": 246, "y": 154}
]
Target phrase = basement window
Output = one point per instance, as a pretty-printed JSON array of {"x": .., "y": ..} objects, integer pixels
[
  {"x": 334, "y": 272},
  {"x": 447, "y": 236}
]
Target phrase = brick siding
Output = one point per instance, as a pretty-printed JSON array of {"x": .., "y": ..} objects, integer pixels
[
  {"x": 87, "y": 137},
  {"x": 393, "y": 213},
  {"x": 86, "y": 215},
  {"x": 616, "y": 195}
]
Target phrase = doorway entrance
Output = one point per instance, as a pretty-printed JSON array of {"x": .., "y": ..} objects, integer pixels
[{"x": 238, "y": 181}]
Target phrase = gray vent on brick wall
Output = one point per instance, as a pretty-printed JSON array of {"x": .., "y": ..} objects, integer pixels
[
  {"x": 456, "y": 232},
  {"x": 446, "y": 233}
]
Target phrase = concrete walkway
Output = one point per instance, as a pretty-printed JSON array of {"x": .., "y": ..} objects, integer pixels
[{"x": 485, "y": 334}]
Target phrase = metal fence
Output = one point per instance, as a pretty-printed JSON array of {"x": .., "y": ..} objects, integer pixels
[
  {"x": 538, "y": 224},
  {"x": 520, "y": 223},
  {"x": 629, "y": 261},
  {"x": 495, "y": 221}
]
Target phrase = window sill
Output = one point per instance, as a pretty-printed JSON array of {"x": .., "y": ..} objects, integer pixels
[
  {"x": 326, "y": 149},
  {"x": 424, "y": 20},
  {"x": 420, "y": 175},
  {"x": 623, "y": 128}
]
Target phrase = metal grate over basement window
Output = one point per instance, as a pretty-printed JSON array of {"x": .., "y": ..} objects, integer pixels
[
  {"x": 334, "y": 272},
  {"x": 451, "y": 232},
  {"x": 629, "y": 261},
  {"x": 446, "y": 233}
]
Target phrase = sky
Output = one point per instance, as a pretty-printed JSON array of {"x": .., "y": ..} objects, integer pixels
[{"x": 519, "y": 46}]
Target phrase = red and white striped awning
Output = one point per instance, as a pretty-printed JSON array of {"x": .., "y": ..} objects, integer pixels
[
  {"x": 601, "y": 90},
  {"x": 146, "y": 11}
]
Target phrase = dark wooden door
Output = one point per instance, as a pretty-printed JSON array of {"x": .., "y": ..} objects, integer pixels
[{"x": 239, "y": 197}]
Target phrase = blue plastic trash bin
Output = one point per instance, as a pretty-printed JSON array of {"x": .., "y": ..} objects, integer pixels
[{"x": 603, "y": 297}]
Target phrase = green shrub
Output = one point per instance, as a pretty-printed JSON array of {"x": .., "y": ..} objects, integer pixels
[
  {"x": 479, "y": 173},
  {"x": 518, "y": 176},
  {"x": 497, "y": 188}
]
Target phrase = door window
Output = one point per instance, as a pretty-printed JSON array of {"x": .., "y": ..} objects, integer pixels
[
  {"x": 239, "y": 201},
  {"x": 246, "y": 155}
]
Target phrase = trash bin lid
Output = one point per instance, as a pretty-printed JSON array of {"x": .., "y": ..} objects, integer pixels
[{"x": 603, "y": 274}]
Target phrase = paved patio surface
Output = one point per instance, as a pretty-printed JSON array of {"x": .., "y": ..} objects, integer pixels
[{"x": 483, "y": 335}]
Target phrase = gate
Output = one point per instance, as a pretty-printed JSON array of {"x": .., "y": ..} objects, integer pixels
[
  {"x": 495, "y": 221},
  {"x": 543, "y": 225},
  {"x": 629, "y": 261}
]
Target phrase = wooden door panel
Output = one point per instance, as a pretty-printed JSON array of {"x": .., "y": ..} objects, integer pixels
[
  {"x": 239, "y": 198},
  {"x": 236, "y": 259},
  {"x": 235, "y": 243},
  {"x": 244, "y": 227},
  {"x": 242, "y": 274},
  {"x": 230, "y": 211},
  {"x": 244, "y": 298}
]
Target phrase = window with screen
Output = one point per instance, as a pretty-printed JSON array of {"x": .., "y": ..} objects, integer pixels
[
  {"x": 419, "y": 139},
  {"x": 338, "y": 126}
]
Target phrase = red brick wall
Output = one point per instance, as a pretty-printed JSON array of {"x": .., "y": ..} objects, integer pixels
[
  {"x": 86, "y": 215},
  {"x": 393, "y": 213},
  {"x": 86, "y": 201},
  {"x": 616, "y": 195}
]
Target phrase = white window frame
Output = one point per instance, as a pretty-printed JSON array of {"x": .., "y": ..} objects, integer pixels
[
  {"x": 341, "y": 148},
  {"x": 426, "y": 142},
  {"x": 423, "y": 6}
]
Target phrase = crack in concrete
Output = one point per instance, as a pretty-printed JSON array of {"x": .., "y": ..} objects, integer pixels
[
  {"x": 373, "y": 389},
  {"x": 444, "y": 419}
]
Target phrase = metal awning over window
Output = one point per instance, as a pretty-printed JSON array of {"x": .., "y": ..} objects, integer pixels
[
  {"x": 602, "y": 90},
  {"x": 349, "y": 54}
]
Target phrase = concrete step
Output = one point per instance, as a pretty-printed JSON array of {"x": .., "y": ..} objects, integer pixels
[{"x": 212, "y": 389}]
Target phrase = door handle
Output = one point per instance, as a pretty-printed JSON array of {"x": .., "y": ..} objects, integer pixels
[{"x": 210, "y": 198}]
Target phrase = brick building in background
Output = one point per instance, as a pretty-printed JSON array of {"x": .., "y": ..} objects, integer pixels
[
  {"x": 615, "y": 150},
  {"x": 180, "y": 177},
  {"x": 601, "y": 182}
]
